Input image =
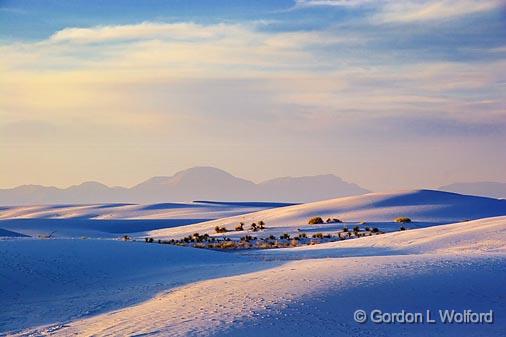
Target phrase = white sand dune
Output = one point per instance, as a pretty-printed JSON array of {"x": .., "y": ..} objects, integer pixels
[
  {"x": 193, "y": 210},
  {"x": 113, "y": 220},
  {"x": 426, "y": 207},
  {"x": 457, "y": 266},
  {"x": 45, "y": 281},
  {"x": 7, "y": 233},
  {"x": 478, "y": 236}
]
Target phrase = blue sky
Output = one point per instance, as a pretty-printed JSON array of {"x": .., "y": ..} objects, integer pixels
[{"x": 413, "y": 89}]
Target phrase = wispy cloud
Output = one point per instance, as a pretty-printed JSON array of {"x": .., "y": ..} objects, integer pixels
[
  {"x": 192, "y": 86},
  {"x": 411, "y": 11}
]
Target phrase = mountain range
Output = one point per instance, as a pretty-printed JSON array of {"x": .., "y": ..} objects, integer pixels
[{"x": 197, "y": 183}]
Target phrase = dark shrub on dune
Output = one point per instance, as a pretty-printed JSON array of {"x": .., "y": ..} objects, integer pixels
[{"x": 316, "y": 220}]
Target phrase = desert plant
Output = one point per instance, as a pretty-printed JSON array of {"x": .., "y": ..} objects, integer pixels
[
  {"x": 315, "y": 220},
  {"x": 285, "y": 236},
  {"x": 375, "y": 230},
  {"x": 403, "y": 219},
  {"x": 240, "y": 227},
  {"x": 219, "y": 229},
  {"x": 356, "y": 229},
  {"x": 402, "y": 228},
  {"x": 261, "y": 225},
  {"x": 345, "y": 229},
  {"x": 227, "y": 245},
  {"x": 246, "y": 238}
]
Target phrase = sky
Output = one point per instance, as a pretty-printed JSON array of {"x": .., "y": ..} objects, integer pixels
[{"x": 386, "y": 94}]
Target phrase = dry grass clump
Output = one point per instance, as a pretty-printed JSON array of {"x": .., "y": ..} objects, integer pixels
[{"x": 315, "y": 220}]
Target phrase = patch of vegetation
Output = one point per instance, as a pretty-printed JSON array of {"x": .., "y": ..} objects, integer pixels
[
  {"x": 285, "y": 236},
  {"x": 315, "y": 220},
  {"x": 219, "y": 229},
  {"x": 403, "y": 219},
  {"x": 261, "y": 225}
]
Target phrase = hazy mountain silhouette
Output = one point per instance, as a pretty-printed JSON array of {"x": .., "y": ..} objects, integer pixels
[
  {"x": 484, "y": 188},
  {"x": 202, "y": 183}
]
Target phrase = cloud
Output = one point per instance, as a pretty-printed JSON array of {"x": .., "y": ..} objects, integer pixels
[
  {"x": 392, "y": 11},
  {"x": 186, "y": 31},
  {"x": 152, "y": 76},
  {"x": 153, "y": 94}
]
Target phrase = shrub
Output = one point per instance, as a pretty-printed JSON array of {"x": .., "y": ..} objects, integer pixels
[
  {"x": 272, "y": 237},
  {"x": 336, "y": 220},
  {"x": 261, "y": 224},
  {"x": 240, "y": 227},
  {"x": 345, "y": 229},
  {"x": 316, "y": 220},
  {"x": 403, "y": 219},
  {"x": 318, "y": 236},
  {"x": 403, "y": 228},
  {"x": 302, "y": 236},
  {"x": 247, "y": 238},
  {"x": 375, "y": 230},
  {"x": 227, "y": 245},
  {"x": 219, "y": 229},
  {"x": 356, "y": 229},
  {"x": 285, "y": 236},
  {"x": 265, "y": 245}
]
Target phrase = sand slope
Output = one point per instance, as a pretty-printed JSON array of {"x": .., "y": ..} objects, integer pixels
[
  {"x": 113, "y": 220},
  {"x": 458, "y": 266},
  {"x": 432, "y": 207}
]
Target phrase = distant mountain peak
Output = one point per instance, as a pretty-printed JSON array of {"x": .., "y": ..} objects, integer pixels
[{"x": 196, "y": 183}]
